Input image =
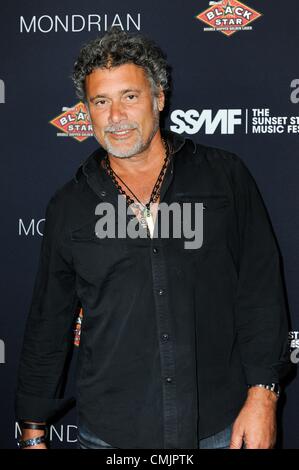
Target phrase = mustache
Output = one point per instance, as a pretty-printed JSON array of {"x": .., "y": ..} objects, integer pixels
[{"x": 121, "y": 127}]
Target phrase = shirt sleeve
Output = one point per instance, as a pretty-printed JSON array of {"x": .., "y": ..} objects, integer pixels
[
  {"x": 48, "y": 337},
  {"x": 260, "y": 308}
]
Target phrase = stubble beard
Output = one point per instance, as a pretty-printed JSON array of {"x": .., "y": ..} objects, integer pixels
[{"x": 139, "y": 145}]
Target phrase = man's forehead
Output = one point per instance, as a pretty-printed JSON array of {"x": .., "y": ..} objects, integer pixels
[{"x": 120, "y": 74}]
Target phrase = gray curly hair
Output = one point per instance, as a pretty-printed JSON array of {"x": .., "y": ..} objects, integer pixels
[{"x": 118, "y": 47}]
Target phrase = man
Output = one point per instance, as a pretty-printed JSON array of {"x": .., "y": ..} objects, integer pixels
[{"x": 181, "y": 346}]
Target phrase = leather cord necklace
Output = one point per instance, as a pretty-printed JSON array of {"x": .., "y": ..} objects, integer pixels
[{"x": 146, "y": 215}]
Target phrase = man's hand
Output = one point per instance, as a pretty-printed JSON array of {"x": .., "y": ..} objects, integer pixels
[{"x": 256, "y": 422}]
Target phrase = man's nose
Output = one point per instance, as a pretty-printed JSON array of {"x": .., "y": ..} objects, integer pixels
[{"x": 117, "y": 112}]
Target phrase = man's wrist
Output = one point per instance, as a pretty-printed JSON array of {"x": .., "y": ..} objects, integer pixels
[
  {"x": 272, "y": 391},
  {"x": 273, "y": 387},
  {"x": 30, "y": 429},
  {"x": 31, "y": 433}
]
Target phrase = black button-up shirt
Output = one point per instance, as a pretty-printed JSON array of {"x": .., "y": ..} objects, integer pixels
[{"x": 171, "y": 336}]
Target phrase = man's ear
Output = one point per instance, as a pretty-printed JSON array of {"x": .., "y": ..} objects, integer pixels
[
  {"x": 161, "y": 99},
  {"x": 87, "y": 109}
]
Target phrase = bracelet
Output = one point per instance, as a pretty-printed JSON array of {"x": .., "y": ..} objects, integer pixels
[
  {"x": 26, "y": 425},
  {"x": 31, "y": 442},
  {"x": 40, "y": 427},
  {"x": 273, "y": 387}
]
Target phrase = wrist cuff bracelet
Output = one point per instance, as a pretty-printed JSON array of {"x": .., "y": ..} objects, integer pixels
[{"x": 31, "y": 442}]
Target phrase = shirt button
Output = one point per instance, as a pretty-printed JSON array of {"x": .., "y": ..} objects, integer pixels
[
  {"x": 103, "y": 193},
  {"x": 168, "y": 379},
  {"x": 161, "y": 291},
  {"x": 155, "y": 250},
  {"x": 165, "y": 336}
]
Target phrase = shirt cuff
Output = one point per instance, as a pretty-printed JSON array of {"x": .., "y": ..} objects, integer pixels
[
  {"x": 32, "y": 408},
  {"x": 265, "y": 375}
]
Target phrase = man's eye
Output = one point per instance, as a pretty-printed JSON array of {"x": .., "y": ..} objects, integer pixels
[
  {"x": 100, "y": 102},
  {"x": 131, "y": 97}
]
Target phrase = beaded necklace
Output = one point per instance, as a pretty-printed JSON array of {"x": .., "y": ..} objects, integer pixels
[{"x": 146, "y": 214}]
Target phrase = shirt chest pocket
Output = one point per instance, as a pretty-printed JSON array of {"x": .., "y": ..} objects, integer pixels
[
  {"x": 96, "y": 257},
  {"x": 204, "y": 222}
]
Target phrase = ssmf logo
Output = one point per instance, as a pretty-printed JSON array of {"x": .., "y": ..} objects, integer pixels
[
  {"x": 192, "y": 121},
  {"x": 228, "y": 16}
]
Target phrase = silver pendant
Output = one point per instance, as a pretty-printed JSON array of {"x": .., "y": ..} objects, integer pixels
[{"x": 146, "y": 212}]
